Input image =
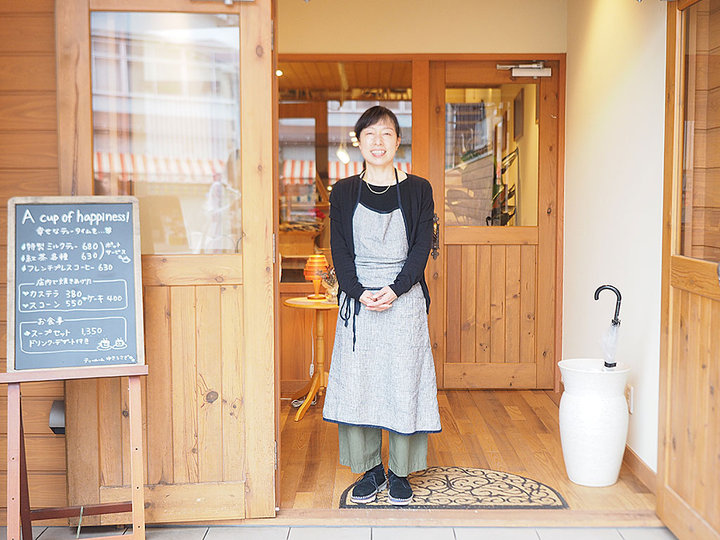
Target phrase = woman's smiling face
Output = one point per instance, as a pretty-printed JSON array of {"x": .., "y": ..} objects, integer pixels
[{"x": 379, "y": 142}]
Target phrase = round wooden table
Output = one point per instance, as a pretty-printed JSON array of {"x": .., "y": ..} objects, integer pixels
[{"x": 318, "y": 383}]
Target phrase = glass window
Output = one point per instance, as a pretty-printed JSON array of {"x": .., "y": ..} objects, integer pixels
[
  {"x": 491, "y": 156},
  {"x": 320, "y": 101},
  {"x": 166, "y": 125},
  {"x": 700, "y": 225},
  {"x": 312, "y": 159}
]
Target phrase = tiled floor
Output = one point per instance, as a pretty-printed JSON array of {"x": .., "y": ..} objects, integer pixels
[{"x": 362, "y": 533}]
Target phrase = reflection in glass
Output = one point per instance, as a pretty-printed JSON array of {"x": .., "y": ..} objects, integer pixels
[
  {"x": 166, "y": 125},
  {"x": 487, "y": 130},
  {"x": 700, "y": 225},
  {"x": 310, "y": 163}
]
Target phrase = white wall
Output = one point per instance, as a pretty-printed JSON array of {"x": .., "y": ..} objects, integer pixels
[
  {"x": 613, "y": 191},
  {"x": 421, "y": 26},
  {"x": 614, "y": 141}
]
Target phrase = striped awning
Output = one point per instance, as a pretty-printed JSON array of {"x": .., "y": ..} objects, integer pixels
[
  {"x": 149, "y": 168},
  {"x": 301, "y": 171},
  {"x": 157, "y": 168}
]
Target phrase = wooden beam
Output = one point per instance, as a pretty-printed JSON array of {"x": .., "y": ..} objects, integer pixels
[
  {"x": 74, "y": 123},
  {"x": 491, "y": 235},
  {"x": 490, "y": 375},
  {"x": 256, "y": 63},
  {"x": 434, "y": 57},
  {"x": 672, "y": 164},
  {"x": 63, "y": 374},
  {"x": 696, "y": 276},
  {"x": 161, "y": 270}
]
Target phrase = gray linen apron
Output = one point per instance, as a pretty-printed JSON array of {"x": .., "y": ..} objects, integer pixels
[{"x": 384, "y": 375}]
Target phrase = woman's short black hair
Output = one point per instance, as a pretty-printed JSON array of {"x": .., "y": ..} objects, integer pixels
[{"x": 373, "y": 115}]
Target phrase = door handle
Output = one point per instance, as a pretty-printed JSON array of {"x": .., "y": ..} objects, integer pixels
[
  {"x": 435, "y": 252},
  {"x": 718, "y": 271}
]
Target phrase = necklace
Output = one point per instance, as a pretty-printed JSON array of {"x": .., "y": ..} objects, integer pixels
[
  {"x": 377, "y": 192},
  {"x": 371, "y": 189}
]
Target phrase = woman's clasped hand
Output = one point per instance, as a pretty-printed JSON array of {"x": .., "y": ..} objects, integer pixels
[{"x": 378, "y": 300}]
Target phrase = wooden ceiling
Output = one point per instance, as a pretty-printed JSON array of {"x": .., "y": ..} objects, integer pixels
[{"x": 337, "y": 76}]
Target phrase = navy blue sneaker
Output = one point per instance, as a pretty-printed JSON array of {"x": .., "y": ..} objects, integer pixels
[
  {"x": 367, "y": 488},
  {"x": 400, "y": 491}
]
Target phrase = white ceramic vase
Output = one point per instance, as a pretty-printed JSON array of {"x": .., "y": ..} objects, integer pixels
[{"x": 593, "y": 420}]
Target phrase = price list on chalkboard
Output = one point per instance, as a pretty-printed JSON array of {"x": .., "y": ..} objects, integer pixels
[{"x": 75, "y": 285}]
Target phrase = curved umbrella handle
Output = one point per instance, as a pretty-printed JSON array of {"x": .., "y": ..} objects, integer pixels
[{"x": 615, "y": 320}]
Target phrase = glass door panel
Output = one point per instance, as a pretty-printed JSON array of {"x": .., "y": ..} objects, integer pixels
[
  {"x": 700, "y": 221},
  {"x": 166, "y": 125},
  {"x": 491, "y": 156},
  {"x": 318, "y": 148}
]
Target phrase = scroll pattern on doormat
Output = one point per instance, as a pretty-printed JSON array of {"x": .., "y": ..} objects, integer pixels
[{"x": 458, "y": 488}]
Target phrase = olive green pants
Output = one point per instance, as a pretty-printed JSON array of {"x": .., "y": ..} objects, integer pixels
[{"x": 360, "y": 449}]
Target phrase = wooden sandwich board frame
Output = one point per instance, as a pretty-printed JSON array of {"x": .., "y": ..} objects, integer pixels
[{"x": 19, "y": 514}]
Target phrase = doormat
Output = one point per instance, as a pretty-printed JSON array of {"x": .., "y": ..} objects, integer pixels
[{"x": 459, "y": 488}]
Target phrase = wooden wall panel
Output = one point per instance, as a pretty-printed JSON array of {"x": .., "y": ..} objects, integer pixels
[
  {"x": 209, "y": 384},
  {"x": 295, "y": 345},
  {"x": 482, "y": 305},
  {"x": 22, "y": 73},
  {"x": 453, "y": 302},
  {"x": 468, "y": 282},
  {"x": 25, "y": 183},
  {"x": 711, "y": 458},
  {"x": 26, "y": 33},
  {"x": 46, "y": 489},
  {"x": 110, "y": 430},
  {"x": 182, "y": 366},
  {"x": 35, "y": 413},
  {"x": 512, "y": 303},
  {"x": 44, "y": 454},
  {"x": 28, "y": 150},
  {"x": 492, "y": 302},
  {"x": 156, "y": 316},
  {"x": 497, "y": 305},
  {"x": 694, "y": 473},
  {"x": 528, "y": 280},
  {"x": 28, "y": 166},
  {"x": 28, "y": 112},
  {"x": 22, "y": 7},
  {"x": 3, "y": 228},
  {"x": 233, "y": 384}
]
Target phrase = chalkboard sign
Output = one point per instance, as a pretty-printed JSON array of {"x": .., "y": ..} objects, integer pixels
[{"x": 74, "y": 286}]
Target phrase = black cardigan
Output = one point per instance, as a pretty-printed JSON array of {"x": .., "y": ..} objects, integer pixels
[{"x": 417, "y": 207}]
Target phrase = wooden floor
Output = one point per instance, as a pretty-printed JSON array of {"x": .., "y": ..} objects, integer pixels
[{"x": 514, "y": 431}]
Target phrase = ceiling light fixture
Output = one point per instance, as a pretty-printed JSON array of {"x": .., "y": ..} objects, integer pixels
[{"x": 342, "y": 154}]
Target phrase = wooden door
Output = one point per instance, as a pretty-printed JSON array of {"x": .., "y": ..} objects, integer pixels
[
  {"x": 688, "y": 497},
  {"x": 181, "y": 117},
  {"x": 496, "y": 177}
]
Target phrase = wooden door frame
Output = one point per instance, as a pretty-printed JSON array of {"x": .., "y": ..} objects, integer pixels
[
  {"x": 677, "y": 272},
  {"x": 424, "y": 100},
  {"x": 256, "y": 266}
]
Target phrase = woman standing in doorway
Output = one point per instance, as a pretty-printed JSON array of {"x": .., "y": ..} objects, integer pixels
[{"x": 382, "y": 375}]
